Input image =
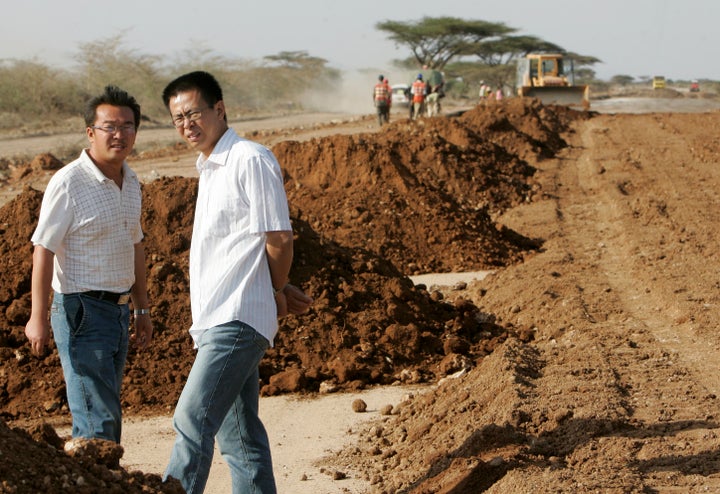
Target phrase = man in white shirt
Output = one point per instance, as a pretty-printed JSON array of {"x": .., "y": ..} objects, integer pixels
[
  {"x": 89, "y": 251},
  {"x": 240, "y": 258}
]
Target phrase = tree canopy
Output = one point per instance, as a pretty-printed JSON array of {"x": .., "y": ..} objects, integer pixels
[
  {"x": 434, "y": 41},
  {"x": 505, "y": 49}
]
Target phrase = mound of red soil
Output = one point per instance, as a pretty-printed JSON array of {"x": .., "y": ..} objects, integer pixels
[
  {"x": 421, "y": 194},
  {"x": 34, "y": 461}
]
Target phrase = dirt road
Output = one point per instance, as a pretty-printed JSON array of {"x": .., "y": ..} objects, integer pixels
[{"x": 617, "y": 391}]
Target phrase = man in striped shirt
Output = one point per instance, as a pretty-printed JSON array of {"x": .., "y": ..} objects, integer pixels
[{"x": 240, "y": 258}]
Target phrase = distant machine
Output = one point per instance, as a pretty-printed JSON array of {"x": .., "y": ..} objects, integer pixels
[{"x": 551, "y": 79}]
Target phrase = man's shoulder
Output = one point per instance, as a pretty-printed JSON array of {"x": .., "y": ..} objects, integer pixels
[
  {"x": 246, "y": 146},
  {"x": 70, "y": 171}
]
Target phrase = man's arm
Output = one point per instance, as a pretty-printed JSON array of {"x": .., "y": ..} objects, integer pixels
[
  {"x": 37, "y": 328},
  {"x": 290, "y": 299},
  {"x": 143, "y": 325}
]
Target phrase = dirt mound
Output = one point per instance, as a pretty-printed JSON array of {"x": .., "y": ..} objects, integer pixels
[
  {"x": 431, "y": 441},
  {"x": 34, "y": 461},
  {"x": 422, "y": 194}
]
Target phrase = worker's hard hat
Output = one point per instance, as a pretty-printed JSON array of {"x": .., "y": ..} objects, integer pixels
[{"x": 419, "y": 76}]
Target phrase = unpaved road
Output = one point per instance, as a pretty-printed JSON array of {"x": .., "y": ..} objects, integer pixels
[{"x": 618, "y": 393}]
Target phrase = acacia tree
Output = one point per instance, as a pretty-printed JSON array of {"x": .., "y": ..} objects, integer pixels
[
  {"x": 622, "y": 79},
  {"x": 506, "y": 49},
  {"x": 435, "y": 41}
]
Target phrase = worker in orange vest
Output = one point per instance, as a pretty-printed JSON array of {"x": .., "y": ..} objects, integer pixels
[
  {"x": 418, "y": 90},
  {"x": 382, "y": 98}
]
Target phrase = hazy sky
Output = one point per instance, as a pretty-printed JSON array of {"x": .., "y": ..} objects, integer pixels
[{"x": 679, "y": 39}]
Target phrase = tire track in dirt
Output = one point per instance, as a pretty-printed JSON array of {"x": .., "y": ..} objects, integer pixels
[
  {"x": 641, "y": 241},
  {"x": 630, "y": 407}
]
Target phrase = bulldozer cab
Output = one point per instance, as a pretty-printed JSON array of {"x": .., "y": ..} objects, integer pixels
[
  {"x": 545, "y": 69},
  {"x": 550, "y": 78}
]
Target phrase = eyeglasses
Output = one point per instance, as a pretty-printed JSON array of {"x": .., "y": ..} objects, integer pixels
[
  {"x": 112, "y": 129},
  {"x": 191, "y": 116}
]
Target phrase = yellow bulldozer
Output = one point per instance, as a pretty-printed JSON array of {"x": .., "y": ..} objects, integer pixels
[{"x": 551, "y": 79}]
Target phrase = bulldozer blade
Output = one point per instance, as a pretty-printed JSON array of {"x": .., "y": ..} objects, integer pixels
[{"x": 559, "y": 95}]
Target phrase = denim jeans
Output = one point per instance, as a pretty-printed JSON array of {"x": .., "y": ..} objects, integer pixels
[
  {"x": 220, "y": 401},
  {"x": 92, "y": 340}
]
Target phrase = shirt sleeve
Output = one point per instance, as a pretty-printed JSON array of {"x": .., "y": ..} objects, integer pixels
[
  {"x": 266, "y": 195},
  {"x": 56, "y": 216}
]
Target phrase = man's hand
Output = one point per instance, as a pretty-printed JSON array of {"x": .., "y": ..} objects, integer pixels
[
  {"x": 292, "y": 300},
  {"x": 142, "y": 336},
  {"x": 37, "y": 331}
]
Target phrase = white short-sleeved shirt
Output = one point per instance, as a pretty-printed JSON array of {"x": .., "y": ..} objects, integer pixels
[
  {"x": 241, "y": 196},
  {"x": 92, "y": 227}
]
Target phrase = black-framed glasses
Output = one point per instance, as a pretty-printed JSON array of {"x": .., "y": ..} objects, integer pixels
[
  {"x": 191, "y": 116},
  {"x": 113, "y": 129}
]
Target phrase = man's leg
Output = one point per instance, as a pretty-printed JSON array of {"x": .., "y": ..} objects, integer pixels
[
  {"x": 92, "y": 341},
  {"x": 228, "y": 356},
  {"x": 244, "y": 443}
]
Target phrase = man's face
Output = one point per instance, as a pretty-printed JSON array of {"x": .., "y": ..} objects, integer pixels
[
  {"x": 112, "y": 137},
  {"x": 199, "y": 124}
]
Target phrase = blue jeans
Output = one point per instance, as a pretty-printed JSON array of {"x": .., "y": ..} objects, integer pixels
[
  {"x": 220, "y": 401},
  {"x": 92, "y": 340}
]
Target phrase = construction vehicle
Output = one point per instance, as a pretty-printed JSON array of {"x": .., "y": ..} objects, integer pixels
[{"x": 551, "y": 79}]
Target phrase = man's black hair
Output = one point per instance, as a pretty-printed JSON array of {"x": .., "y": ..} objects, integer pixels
[
  {"x": 201, "y": 81},
  {"x": 114, "y": 96}
]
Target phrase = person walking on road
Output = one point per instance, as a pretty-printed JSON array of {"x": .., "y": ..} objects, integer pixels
[
  {"x": 240, "y": 257},
  {"x": 382, "y": 98},
  {"x": 88, "y": 250},
  {"x": 418, "y": 90}
]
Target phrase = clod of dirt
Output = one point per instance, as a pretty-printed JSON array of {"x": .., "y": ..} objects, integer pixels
[
  {"x": 359, "y": 406},
  {"x": 101, "y": 451}
]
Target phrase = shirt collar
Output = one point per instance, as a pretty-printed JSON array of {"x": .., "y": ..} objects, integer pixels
[
  {"x": 220, "y": 152},
  {"x": 100, "y": 176}
]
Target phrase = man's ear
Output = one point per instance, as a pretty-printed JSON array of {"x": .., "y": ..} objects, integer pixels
[{"x": 220, "y": 108}]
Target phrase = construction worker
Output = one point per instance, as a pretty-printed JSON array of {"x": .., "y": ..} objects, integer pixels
[
  {"x": 382, "y": 98},
  {"x": 432, "y": 104},
  {"x": 484, "y": 91},
  {"x": 418, "y": 90}
]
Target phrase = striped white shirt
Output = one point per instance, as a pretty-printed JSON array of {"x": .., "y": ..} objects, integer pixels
[
  {"x": 240, "y": 197},
  {"x": 92, "y": 226}
]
